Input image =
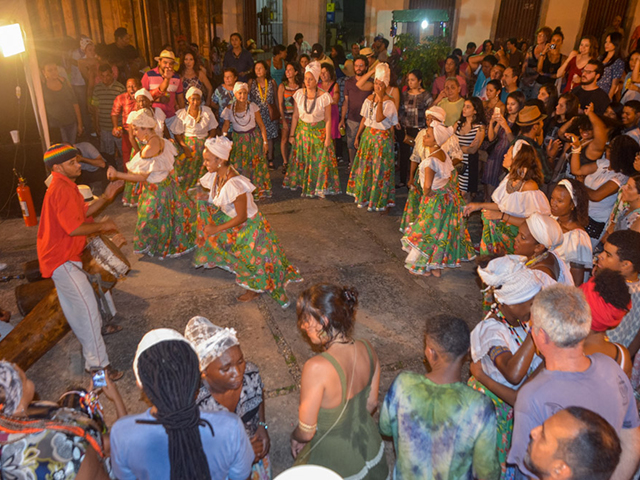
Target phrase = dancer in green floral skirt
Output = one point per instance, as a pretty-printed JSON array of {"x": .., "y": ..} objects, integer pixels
[
  {"x": 439, "y": 237},
  {"x": 372, "y": 180},
  {"x": 233, "y": 234},
  {"x": 312, "y": 165},
  {"x": 166, "y": 216},
  {"x": 249, "y": 154},
  {"x": 192, "y": 126},
  {"x": 517, "y": 197}
]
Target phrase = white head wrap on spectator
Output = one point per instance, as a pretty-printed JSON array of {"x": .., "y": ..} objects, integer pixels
[
  {"x": 436, "y": 112},
  {"x": 545, "y": 230},
  {"x": 84, "y": 43},
  {"x": 142, "y": 119},
  {"x": 150, "y": 339},
  {"x": 567, "y": 184},
  {"x": 511, "y": 281},
  {"x": 383, "y": 73},
  {"x": 143, "y": 92},
  {"x": 240, "y": 86},
  {"x": 517, "y": 146},
  {"x": 209, "y": 340},
  {"x": 314, "y": 68},
  {"x": 219, "y": 146},
  {"x": 441, "y": 133},
  {"x": 193, "y": 91}
]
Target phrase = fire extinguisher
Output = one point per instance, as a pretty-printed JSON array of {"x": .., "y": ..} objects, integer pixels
[{"x": 26, "y": 202}]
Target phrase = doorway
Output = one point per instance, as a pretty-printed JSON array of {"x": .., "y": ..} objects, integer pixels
[{"x": 517, "y": 18}]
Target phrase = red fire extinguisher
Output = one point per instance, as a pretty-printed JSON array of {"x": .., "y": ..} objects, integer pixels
[{"x": 26, "y": 202}]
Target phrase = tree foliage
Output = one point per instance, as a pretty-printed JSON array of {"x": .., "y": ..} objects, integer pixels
[{"x": 423, "y": 56}]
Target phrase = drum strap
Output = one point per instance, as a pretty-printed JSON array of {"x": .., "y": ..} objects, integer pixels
[{"x": 102, "y": 287}]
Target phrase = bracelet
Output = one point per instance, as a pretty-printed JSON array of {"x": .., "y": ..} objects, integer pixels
[
  {"x": 307, "y": 428},
  {"x": 262, "y": 424},
  {"x": 577, "y": 150}
]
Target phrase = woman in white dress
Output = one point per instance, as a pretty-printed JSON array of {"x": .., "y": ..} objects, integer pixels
[
  {"x": 570, "y": 207},
  {"x": 517, "y": 197},
  {"x": 192, "y": 126},
  {"x": 313, "y": 166}
]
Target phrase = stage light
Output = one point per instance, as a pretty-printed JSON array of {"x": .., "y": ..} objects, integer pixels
[
  {"x": 424, "y": 24},
  {"x": 11, "y": 40}
]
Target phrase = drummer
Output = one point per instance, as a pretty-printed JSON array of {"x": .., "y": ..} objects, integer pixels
[{"x": 65, "y": 223}]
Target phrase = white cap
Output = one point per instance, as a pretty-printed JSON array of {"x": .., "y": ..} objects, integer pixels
[
  {"x": 193, "y": 91},
  {"x": 545, "y": 230},
  {"x": 152, "y": 338},
  {"x": 142, "y": 119},
  {"x": 240, "y": 86},
  {"x": 219, "y": 146},
  {"x": 145, "y": 93},
  {"x": 511, "y": 280},
  {"x": 383, "y": 73},
  {"x": 436, "y": 112},
  {"x": 314, "y": 68}
]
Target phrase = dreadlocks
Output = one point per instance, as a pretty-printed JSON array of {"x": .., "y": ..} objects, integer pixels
[{"x": 170, "y": 377}]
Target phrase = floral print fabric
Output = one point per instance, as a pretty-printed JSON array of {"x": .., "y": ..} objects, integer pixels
[
  {"x": 189, "y": 170},
  {"x": 372, "y": 180},
  {"x": 165, "y": 220},
  {"x": 439, "y": 237},
  {"x": 498, "y": 237},
  {"x": 312, "y": 166},
  {"x": 251, "y": 251},
  {"x": 247, "y": 156}
]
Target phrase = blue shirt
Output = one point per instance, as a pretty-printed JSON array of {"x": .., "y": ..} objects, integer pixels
[
  {"x": 504, "y": 94},
  {"x": 481, "y": 82},
  {"x": 141, "y": 451}
]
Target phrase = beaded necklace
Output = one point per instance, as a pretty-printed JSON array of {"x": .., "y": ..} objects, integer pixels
[
  {"x": 218, "y": 185},
  {"x": 495, "y": 310},
  {"x": 535, "y": 260},
  {"x": 263, "y": 96},
  {"x": 313, "y": 104},
  {"x": 372, "y": 106},
  {"x": 236, "y": 118}
]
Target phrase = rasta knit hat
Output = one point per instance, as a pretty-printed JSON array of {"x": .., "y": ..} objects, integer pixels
[{"x": 59, "y": 153}]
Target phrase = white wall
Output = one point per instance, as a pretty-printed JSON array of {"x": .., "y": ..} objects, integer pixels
[
  {"x": 308, "y": 17},
  {"x": 568, "y": 14},
  {"x": 475, "y": 21},
  {"x": 232, "y": 11},
  {"x": 378, "y": 17}
]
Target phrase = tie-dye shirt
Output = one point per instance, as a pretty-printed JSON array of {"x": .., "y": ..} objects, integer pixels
[{"x": 440, "y": 431}]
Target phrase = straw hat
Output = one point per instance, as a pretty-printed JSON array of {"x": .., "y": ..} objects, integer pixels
[
  {"x": 529, "y": 115},
  {"x": 348, "y": 69},
  {"x": 166, "y": 54},
  {"x": 367, "y": 52}
]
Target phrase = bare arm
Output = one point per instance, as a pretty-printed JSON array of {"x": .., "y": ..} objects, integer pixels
[
  {"x": 475, "y": 145},
  {"x": 372, "y": 401},
  {"x": 327, "y": 126},
  {"x": 595, "y": 149},
  {"x": 311, "y": 394},
  {"x": 345, "y": 110},
  {"x": 507, "y": 394},
  {"x": 475, "y": 61},
  {"x": 606, "y": 190},
  {"x": 514, "y": 366},
  {"x": 630, "y": 443},
  {"x": 240, "y": 204},
  {"x": 576, "y": 168},
  {"x": 294, "y": 123},
  {"x": 107, "y": 197},
  {"x": 281, "y": 99},
  {"x": 205, "y": 80},
  {"x": 362, "y": 81},
  {"x": 563, "y": 68}
]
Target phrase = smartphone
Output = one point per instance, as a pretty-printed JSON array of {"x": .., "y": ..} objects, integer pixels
[
  {"x": 99, "y": 379},
  {"x": 496, "y": 111},
  {"x": 552, "y": 47}
]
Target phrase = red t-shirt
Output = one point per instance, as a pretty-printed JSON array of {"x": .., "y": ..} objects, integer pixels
[{"x": 63, "y": 210}]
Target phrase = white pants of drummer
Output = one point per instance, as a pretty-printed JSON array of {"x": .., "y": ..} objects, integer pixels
[{"x": 80, "y": 308}]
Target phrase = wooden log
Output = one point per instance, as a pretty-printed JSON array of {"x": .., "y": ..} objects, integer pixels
[
  {"x": 28, "y": 295},
  {"x": 31, "y": 270},
  {"x": 36, "y": 334}
]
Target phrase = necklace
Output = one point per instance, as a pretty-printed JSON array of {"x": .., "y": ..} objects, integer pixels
[
  {"x": 313, "y": 104},
  {"x": 218, "y": 185},
  {"x": 236, "y": 118},
  {"x": 263, "y": 96},
  {"x": 535, "y": 260},
  {"x": 495, "y": 310},
  {"x": 372, "y": 106}
]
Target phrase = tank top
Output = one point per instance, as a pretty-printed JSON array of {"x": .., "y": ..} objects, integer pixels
[
  {"x": 277, "y": 73},
  {"x": 288, "y": 103}
]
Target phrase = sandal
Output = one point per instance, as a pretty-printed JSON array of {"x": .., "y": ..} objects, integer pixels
[
  {"x": 111, "y": 329},
  {"x": 284, "y": 168}
]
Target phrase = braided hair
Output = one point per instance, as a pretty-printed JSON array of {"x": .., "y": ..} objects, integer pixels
[{"x": 170, "y": 377}]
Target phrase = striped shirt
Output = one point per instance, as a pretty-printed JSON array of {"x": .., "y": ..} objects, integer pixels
[
  {"x": 103, "y": 98},
  {"x": 466, "y": 140}
]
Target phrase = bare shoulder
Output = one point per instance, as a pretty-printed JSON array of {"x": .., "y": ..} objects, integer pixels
[{"x": 529, "y": 186}]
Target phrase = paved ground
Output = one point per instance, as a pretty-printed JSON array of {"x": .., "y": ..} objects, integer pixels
[{"x": 328, "y": 240}]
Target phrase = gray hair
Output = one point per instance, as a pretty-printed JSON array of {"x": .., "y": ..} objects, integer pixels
[
  {"x": 454, "y": 80},
  {"x": 563, "y": 313}
]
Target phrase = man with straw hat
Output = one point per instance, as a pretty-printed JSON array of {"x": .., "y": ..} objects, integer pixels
[
  {"x": 165, "y": 85},
  {"x": 531, "y": 123}
]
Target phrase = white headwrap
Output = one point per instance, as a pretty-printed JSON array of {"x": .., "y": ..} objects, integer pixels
[
  {"x": 209, "y": 340},
  {"x": 511, "y": 280},
  {"x": 517, "y": 146},
  {"x": 219, "y": 146},
  {"x": 383, "y": 73},
  {"x": 84, "y": 43},
  {"x": 314, "y": 68},
  {"x": 142, "y": 119},
  {"x": 150, "y": 339},
  {"x": 567, "y": 184},
  {"x": 192, "y": 91},
  {"x": 143, "y": 92},
  {"x": 441, "y": 133},
  {"x": 545, "y": 230},
  {"x": 436, "y": 112},
  {"x": 240, "y": 86}
]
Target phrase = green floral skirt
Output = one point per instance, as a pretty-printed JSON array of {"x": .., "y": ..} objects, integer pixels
[
  {"x": 312, "y": 166},
  {"x": 247, "y": 156},
  {"x": 131, "y": 194},
  {"x": 497, "y": 237},
  {"x": 189, "y": 170},
  {"x": 166, "y": 219},
  {"x": 438, "y": 238},
  {"x": 251, "y": 251},
  {"x": 504, "y": 417},
  {"x": 412, "y": 207},
  {"x": 372, "y": 180}
]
